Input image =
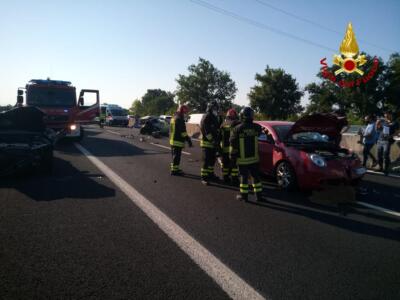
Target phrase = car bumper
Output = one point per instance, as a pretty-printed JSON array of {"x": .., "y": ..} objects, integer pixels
[{"x": 320, "y": 178}]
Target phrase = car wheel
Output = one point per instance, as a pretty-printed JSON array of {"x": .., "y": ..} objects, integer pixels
[{"x": 285, "y": 176}]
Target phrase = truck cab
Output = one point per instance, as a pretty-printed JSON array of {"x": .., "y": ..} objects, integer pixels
[{"x": 57, "y": 99}]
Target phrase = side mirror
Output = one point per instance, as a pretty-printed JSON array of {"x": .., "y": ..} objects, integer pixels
[
  {"x": 20, "y": 99},
  {"x": 81, "y": 101}
]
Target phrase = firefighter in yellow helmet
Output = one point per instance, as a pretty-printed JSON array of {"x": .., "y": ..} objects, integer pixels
[
  {"x": 229, "y": 167},
  {"x": 177, "y": 138},
  {"x": 244, "y": 141}
]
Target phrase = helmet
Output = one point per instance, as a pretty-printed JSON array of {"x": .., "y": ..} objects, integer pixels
[
  {"x": 231, "y": 114},
  {"x": 183, "y": 109},
  {"x": 247, "y": 114},
  {"x": 213, "y": 105}
]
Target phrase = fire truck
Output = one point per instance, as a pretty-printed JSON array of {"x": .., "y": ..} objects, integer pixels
[{"x": 57, "y": 99}]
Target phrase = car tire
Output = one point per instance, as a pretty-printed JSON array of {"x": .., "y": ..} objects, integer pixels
[{"x": 285, "y": 176}]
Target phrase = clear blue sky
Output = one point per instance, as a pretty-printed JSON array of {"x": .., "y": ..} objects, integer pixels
[{"x": 124, "y": 48}]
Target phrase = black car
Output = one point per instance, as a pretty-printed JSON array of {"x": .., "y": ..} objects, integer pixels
[{"x": 25, "y": 141}]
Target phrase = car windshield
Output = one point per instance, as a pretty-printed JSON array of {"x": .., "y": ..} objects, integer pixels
[
  {"x": 309, "y": 137},
  {"x": 282, "y": 130},
  {"x": 51, "y": 97},
  {"x": 119, "y": 113}
]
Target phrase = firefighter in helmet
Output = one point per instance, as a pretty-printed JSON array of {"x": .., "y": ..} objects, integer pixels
[
  {"x": 177, "y": 138},
  {"x": 244, "y": 141},
  {"x": 209, "y": 127},
  {"x": 229, "y": 167}
]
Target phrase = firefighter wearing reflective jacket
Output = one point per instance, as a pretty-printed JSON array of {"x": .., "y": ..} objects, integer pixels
[
  {"x": 244, "y": 141},
  {"x": 229, "y": 167},
  {"x": 209, "y": 127},
  {"x": 177, "y": 138}
]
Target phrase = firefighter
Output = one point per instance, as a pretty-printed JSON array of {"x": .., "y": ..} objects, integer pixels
[
  {"x": 209, "y": 127},
  {"x": 177, "y": 138},
  {"x": 229, "y": 167},
  {"x": 244, "y": 141}
]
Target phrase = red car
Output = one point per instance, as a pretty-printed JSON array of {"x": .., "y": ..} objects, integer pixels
[{"x": 306, "y": 154}]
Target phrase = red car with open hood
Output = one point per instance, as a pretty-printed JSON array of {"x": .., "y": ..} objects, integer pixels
[{"x": 306, "y": 154}]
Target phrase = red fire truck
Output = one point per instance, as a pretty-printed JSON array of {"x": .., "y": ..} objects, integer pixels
[{"x": 57, "y": 99}]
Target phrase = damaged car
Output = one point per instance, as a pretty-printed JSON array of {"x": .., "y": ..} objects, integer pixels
[
  {"x": 25, "y": 142},
  {"x": 307, "y": 154}
]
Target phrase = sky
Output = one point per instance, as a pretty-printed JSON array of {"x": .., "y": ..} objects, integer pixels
[{"x": 123, "y": 48}]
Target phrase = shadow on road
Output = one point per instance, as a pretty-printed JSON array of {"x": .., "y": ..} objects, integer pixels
[
  {"x": 334, "y": 220},
  {"x": 65, "y": 182},
  {"x": 107, "y": 147}
]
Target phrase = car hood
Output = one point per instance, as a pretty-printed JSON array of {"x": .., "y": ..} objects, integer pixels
[
  {"x": 328, "y": 124},
  {"x": 27, "y": 118}
]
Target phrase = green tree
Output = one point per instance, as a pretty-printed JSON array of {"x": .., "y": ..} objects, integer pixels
[
  {"x": 277, "y": 94},
  {"x": 137, "y": 108},
  {"x": 154, "y": 102},
  {"x": 205, "y": 83},
  {"x": 393, "y": 79},
  {"x": 157, "y": 101}
]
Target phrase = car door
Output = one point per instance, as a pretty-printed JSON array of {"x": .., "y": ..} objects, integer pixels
[
  {"x": 266, "y": 148},
  {"x": 88, "y": 112}
]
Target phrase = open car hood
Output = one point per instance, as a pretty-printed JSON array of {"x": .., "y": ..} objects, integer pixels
[
  {"x": 327, "y": 124},
  {"x": 27, "y": 118}
]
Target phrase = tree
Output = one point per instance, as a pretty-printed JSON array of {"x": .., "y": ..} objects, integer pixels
[
  {"x": 205, "y": 83},
  {"x": 393, "y": 78},
  {"x": 277, "y": 94},
  {"x": 154, "y": 102},
  {"x": 137, "y": 108}
]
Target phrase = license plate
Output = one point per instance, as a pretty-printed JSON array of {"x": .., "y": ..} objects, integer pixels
[{"x": 361, "y": 171}]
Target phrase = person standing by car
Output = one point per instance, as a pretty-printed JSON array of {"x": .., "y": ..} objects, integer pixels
[
  {"x": 209, "y": 127},
  {"x": 244, "y": 141},
  {"x": 369, "y": 136},
  {"x": 386, "y": 128},
  {"x": 177, "y": 138},
  {"x": 230, "y": 171}
]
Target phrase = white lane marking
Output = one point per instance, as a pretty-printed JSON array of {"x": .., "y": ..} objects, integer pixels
[
  {"x": 227, "y": 279},
  {"x": 114, "y": 132},
  {"x": 381, "y": 209},
  {"x": 169, "y": 148},
  {"x": 380, "y": 173}
]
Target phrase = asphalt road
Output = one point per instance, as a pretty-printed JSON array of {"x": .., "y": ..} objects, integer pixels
[{"x": 76, "y": 235}]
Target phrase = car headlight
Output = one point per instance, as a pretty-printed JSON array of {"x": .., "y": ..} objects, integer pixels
[
  {"x": 72, "y": 127},
  {"x": 318, "y": 160}
]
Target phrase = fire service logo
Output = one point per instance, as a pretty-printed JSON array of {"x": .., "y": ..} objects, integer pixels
[{"x": 350, "y": 61}]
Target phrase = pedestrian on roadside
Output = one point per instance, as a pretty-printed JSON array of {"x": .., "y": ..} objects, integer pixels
[
  {"x": 386, "y": 129},
  {"x": 177, "y": 138},
  {"x": 230, "y": 170},
  {"x": 369, "y": 136},
  {"x": 244, "y": 141},
  {"x": 209, "y": 127}
]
